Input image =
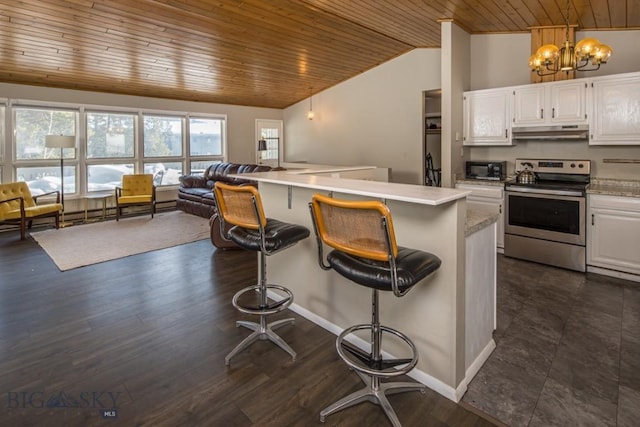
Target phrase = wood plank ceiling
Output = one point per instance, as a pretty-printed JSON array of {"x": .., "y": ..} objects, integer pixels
[{"x": 253, "y": 52}]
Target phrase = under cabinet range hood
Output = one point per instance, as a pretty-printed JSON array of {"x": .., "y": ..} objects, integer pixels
[{"x": 551, "y": 133}]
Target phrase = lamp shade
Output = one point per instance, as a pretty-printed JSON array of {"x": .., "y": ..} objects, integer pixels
[{"x": 60, "y": 141}]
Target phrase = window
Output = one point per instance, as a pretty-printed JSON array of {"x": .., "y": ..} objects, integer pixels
[
  {"x": 43, "y": 179},
  {"x": 33, "y": 125},
  {"x": 206, "y": 142},
  {"x": 36, "y": 164},
  {"x": 115, "y": 142},
  {"x": 106, "y": 176},
  {"x": 205, "y": 137},
  {"x": 163, "y": 142},
  {"x": 270, "y": 136},
  {"x": 110, "y": 135},
  {"x": 162, "y": 136},
  {"x": 199, "y": 167},
  {"x": 166, "y": 173}
]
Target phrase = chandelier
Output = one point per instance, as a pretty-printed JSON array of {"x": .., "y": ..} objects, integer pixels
[{"x": 587, "y": 55}]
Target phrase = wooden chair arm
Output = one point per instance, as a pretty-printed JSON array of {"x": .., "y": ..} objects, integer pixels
[
  {"x": 12, "y": 199},
  {"x": 56, "y": 192},
  {"x": 21, "y": 203}
]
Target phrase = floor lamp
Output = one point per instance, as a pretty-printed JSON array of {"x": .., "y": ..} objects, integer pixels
[{"x": 61, "y": 142}]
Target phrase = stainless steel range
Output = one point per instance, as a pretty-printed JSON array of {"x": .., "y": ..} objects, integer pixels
[{"x": 545, "y": 212}]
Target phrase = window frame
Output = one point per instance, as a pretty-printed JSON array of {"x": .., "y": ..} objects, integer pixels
[
  {"x": 16, "y": 163},
  {"x": 9, "y": 164}
]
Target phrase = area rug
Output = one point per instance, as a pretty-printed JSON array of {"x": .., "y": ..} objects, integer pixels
[{"x": 87, "y": 244}]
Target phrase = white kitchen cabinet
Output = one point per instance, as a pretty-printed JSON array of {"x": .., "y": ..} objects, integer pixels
[
  {"x": 613, "y": 233},
  {"x": 490, "y": 199},
  {"x": 487, "y": 117},
  {"x": 559, "y": 103},
  {"x": 616, "y": 110}
]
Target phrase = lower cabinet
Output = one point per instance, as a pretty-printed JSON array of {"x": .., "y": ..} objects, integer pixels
[
  {"x": 613, "y": 233},
  {"x": 487, "y": 198}
]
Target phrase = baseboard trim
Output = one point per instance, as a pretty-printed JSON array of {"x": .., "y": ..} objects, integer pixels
[
  {"x": 475, "y": 366},
  {"x": 613, "y": 273},
  {"x": 418, "y": 375},
  {"x": 454, "y": 394}
]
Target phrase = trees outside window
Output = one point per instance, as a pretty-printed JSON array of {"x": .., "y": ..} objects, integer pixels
[
  {"x": 110, "y": 135},
  {"x": 111, "y": 143},
  {"x": 162, "y": 136}
]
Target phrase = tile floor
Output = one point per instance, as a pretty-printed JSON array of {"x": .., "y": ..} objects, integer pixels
[{"x": 568, "y": 349}]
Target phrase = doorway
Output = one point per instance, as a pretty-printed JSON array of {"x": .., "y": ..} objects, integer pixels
[{"x": 432, "y": 137}]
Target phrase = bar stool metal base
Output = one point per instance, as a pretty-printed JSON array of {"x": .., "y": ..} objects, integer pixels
[
  {"x": 263, "y": 330},
  {"x": 375, "y": 392}
]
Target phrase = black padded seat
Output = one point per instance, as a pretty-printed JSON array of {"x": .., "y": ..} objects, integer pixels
[
  {"x": 411, "y": 265},
  {"x": 278, "y": 235}
]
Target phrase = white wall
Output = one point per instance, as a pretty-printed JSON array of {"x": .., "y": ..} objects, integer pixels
[
  {"x": 626, "y": 51},
  {"x": 500, "y": 60},
  {"x": 455, "y": 80},
  {"x": 372, "y": 119},
  {"x": 240, "y": 120}
]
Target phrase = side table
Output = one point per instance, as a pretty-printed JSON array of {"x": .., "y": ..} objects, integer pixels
[{"x": 96, "y": 196}]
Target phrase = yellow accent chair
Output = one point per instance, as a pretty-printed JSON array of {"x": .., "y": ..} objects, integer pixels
[
  {"x": 18, "y": 206},
  {"x": 136, "y": 190}
]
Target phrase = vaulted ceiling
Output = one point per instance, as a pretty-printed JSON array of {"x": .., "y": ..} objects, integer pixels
[{"x": 267, "y": 53}]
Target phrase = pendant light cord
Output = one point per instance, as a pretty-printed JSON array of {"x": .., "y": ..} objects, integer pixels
[{"x": 567, "y": 21}]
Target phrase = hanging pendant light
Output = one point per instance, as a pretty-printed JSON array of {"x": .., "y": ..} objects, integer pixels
[
  {"x": 310, "y": 113},
  {"x": 549, "y": 59}
]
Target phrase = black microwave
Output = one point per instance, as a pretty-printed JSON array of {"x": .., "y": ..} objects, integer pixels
[{"x": 494, "y": 171}]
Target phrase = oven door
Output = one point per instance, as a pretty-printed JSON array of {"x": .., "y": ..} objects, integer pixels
[{"x": 546, "y": 216}]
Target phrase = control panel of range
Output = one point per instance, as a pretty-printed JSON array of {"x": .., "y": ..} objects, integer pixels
[{"x": 581, "y": 167}]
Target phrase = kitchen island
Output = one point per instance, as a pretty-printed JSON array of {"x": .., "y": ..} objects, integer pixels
[{"x": 450, "y": 315}]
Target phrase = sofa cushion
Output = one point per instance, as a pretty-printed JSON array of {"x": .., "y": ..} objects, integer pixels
[
  {"x": 195, "y": 194},
  {"x": 221, "y": 172}
]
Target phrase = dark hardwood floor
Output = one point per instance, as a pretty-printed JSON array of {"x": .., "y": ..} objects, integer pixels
[{"x": 148, "y": 334}]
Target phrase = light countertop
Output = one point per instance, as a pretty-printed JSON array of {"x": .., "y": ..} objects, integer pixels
[
  {"x": 614, "y": 187},
  {"x": 491, "y": 182},
  {"x": 477, "y": 220},
  {"x": 418, "y": 194},
  {"x": 326, "y": 169}
]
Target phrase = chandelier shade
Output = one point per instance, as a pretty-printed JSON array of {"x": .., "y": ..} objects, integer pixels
[{"x": 587, "y": 55}]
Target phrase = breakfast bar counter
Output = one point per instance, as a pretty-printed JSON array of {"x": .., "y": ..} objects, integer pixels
[{"x": 450, "y": 316}]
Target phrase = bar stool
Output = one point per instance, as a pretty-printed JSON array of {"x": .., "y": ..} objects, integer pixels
[
  {"x": 365, "y": 252},
  {"x": 241, "y": 206}
]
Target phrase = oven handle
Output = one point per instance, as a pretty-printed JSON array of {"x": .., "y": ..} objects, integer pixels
[{"x": 572, "y": 193}]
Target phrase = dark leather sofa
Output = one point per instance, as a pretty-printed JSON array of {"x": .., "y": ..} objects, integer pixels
[{"x": 195, "y": 193}]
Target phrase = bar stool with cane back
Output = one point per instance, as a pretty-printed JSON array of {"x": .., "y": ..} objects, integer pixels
[
  {"x": 365, "y": 252},
  {"x": 241, "y": 206}
]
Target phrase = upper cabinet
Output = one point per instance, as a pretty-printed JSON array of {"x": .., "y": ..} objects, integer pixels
[
  {"x": 553, "y": 103},
  {"x": 610, "y": 105},
  {"x": 487, "y": 117},
  {"x": 616, "y": 110}
]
